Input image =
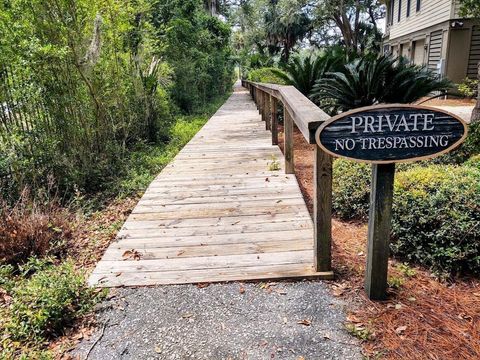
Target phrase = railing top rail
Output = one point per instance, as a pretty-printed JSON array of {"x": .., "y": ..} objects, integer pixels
[{"x": 306, "y": 115}]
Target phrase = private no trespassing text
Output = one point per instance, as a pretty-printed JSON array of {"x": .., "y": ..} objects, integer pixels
[{"x": 402, "y": 124}]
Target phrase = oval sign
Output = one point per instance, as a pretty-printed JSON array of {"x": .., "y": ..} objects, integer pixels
[{"x": 391, "y": 133}]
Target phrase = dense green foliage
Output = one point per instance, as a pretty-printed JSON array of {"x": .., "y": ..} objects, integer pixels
[
  {"x": 197, "y": 47},
  {"x": 273, "y": 30},
  {"x": 268, "y": 75},
  {"x": 88, "y": 80}
]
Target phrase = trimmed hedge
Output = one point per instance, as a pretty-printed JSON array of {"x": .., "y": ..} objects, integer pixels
[
  {"x": 436, "y": 218},
  {"x": 436, "y": 212},
  {"x": 266, "y": 75}
]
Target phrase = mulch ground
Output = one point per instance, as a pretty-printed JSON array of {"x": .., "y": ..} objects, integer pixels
[
  {"x": 423, "y": 318},
  {"x": 448, "y": 102}
]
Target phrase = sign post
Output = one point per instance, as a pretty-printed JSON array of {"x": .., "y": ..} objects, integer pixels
[{"x": 384, "y": 135}]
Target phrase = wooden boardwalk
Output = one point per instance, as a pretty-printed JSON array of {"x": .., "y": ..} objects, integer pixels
[{"x": 218, "y": 212}]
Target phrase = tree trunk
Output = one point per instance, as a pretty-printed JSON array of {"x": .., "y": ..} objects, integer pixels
[{"x": 476, "y": 109}]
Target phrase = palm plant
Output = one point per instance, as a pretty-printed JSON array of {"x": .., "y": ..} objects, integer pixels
[
  {"x": 373, "y": 80},
  {"x": 304, "y": 72}
]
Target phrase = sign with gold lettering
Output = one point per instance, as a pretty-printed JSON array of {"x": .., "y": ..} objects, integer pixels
[{"x": 391, "y": 133}]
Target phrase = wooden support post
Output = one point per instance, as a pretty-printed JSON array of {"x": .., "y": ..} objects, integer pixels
[
  {"x": 264, "y": 105},
  {"x": 260, "y": 103},
  {"x": 288, "y": 142},
  {"x": 274, "y": 121},
  {"x": 268, "y": 111},
  {"x": 322, "y": 210},
  {"x": 379, "y": 225}
]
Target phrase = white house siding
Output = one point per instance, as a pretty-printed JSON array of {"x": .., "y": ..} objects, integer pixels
[{"x": 432, "y": 12}]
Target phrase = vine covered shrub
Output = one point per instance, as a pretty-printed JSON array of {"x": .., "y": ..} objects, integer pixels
[
  {"x": 436, "y": 217},
  {"x": 267, "y": 75},
  {"x": 351, "y": 189}
]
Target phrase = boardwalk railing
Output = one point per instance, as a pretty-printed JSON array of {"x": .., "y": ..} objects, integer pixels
[{"x": 307, "y": 117}]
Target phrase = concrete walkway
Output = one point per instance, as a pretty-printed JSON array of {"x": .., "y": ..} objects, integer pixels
[
  {"x": 254, "y": 321},
  {"x": 465, "y": 112}
]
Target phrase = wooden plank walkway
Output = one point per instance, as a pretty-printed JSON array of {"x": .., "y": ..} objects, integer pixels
[{"x": 216, "y": 213}]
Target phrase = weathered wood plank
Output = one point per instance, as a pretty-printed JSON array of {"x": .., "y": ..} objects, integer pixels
[
  {"x": 217, "y": 275},
  {"x": 189, "y": 239},
  {"x": 205, "y": 249}
]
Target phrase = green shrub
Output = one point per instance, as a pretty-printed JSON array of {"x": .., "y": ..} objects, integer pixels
[
  {"x": 267, "y": 75},
  {"x": 44, "y": 303},
  {"x": 351, "y": 189},
  {"x": 436, "y": 217},
  {"x": 468, "y": 87}
]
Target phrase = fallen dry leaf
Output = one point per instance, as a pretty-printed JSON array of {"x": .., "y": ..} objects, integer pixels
[
  {"x": 131, "y": 254},
  {"x": 304, "y": 322},
  {"x": 202, "y": 285},
  {"x": 400, "y": 330}
]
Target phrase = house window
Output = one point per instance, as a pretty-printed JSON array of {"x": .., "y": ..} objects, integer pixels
[
  {"x": 409, "y": 2},
  {"x": 419, "y": 5},
  {"x": 399, "y": 10}
]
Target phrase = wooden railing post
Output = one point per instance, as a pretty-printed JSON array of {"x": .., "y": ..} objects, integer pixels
[
  {"x": 264, "y": 105},
  {"x": 322, "y": 210},
  {"x": 260, "y": 102},
  {"x": 288, "y": 142},
  {"x": 268, "y": 111},
  {"x": 379, "y": 225},
  {"x": 274, "y": 121}
]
